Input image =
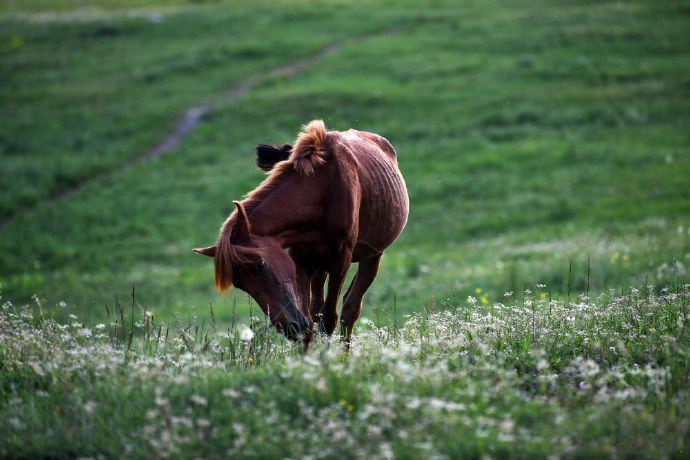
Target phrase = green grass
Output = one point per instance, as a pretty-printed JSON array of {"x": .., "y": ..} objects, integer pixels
[
  {"x": 526, "y": 379},
  {"x": 542, "y": 143},
  {"x": 83, "y": 95},
  {"x": 571, "y": 136}
]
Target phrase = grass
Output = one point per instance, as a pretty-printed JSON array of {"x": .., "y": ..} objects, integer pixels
[
  {"x": 530, "y": 377},
  {"x": 541, "y": 143},
  {"x": 82, "y": 95},
  {"x": 571, "y": 137}
]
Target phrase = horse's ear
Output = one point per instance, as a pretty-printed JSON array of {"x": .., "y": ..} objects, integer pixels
[
  {"x": 267, "y": 155},
  {"x": 209, "y": 251},
  {"x": 242, "y": 231}
]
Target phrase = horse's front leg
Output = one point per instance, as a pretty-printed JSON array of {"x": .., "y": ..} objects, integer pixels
[
  {"x": 304, "y": 291},
  {"x": 336, "y": 278},
  {"x": 318, "y": 281}
]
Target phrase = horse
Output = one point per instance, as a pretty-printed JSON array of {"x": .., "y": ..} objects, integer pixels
[{"x": 331, "y": 199}]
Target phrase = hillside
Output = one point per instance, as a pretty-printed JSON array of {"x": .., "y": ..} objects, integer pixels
[{"x": 536, "y": 140}]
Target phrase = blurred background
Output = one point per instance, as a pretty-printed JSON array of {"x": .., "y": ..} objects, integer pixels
[{"x": 542, "y": 142}]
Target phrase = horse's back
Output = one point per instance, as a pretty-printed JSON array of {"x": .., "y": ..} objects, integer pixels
[
  {"x": 382, "y": 142},
  {"x": 384, "y": 203}
]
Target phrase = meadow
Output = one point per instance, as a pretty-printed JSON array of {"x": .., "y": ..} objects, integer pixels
[
  {"x": 528, "y": 378},
  {"x": 536, "y": 303}
]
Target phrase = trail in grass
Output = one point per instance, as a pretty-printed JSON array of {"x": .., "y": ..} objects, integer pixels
[{"x": 194, "y": 115}]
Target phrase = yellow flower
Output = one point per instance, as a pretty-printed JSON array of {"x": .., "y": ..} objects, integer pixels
[
  {"x": 477, "y": 290},
  {"x": 350, "y": 408},
  {"x": 250, "y": 360},
  {"x": 342, "y": 402},
  {"x": 542, "y": 295},
  {"x": 484, "y": 299}
]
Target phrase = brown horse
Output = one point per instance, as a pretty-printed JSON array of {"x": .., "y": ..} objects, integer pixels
[{"x": 332, "y": 199}]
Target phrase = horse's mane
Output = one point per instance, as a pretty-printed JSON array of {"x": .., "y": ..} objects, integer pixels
[
  {"x": 308, "y": 153},
  {"x": 227, "y": 255},
  {"x": 309, "y": 149}
]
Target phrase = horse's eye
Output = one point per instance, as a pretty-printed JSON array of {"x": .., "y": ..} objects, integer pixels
[{"x": 262, "y": 265}]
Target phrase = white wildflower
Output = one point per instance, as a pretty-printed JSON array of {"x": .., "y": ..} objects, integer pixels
[
  {"x": 246, "y": 334},
  {"x": 198, "y": 399},
  {"x": 414, "y": 403},
  {"x": 311, "y": 361},
  {"x": 589, "y": 368},
  {"x": 38, "y": 369},
  {"x": 386, "y": 450},
  {"x": 89, "y": 406},
  {"x": 15, "y": 422},
  {"x": 230, "y": 393},
  {"x": 203, "y": 422},
  {"x": 187, "y": 422},
  {"x": 374, "y": 431}
]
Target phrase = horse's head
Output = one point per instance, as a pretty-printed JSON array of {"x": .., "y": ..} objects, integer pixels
[{"x": 260, "y": 267}]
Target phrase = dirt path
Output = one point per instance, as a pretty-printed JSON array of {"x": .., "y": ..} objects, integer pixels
[{"x": 193, "y": 116}]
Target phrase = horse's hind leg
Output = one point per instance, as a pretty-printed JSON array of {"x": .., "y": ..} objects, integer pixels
[{"x": 352, "y": 303}]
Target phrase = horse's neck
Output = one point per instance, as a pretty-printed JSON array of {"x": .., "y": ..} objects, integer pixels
[{"x": 287, "y": 210}]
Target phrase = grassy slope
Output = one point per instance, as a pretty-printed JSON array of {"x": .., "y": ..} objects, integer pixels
[
  {"x": 83, "y": 94},
  {"x": 531, "y": 135}
]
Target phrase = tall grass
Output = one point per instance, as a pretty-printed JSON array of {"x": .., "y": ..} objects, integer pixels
[{"x": 531, "y": 376}]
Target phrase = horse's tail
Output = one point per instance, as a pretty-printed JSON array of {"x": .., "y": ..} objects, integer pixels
[
  {"x": 223, "y": 261},
  {"x": 309, "y": 149}
]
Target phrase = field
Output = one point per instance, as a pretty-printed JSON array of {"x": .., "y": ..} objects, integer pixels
[{"x": 536, "y": 304}]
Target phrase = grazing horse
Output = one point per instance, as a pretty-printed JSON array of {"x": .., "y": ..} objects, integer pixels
[{"x": 331, "y": 199}]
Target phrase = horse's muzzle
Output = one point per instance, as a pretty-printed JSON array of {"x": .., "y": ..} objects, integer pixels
[{"x": 298, "y": 328}]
